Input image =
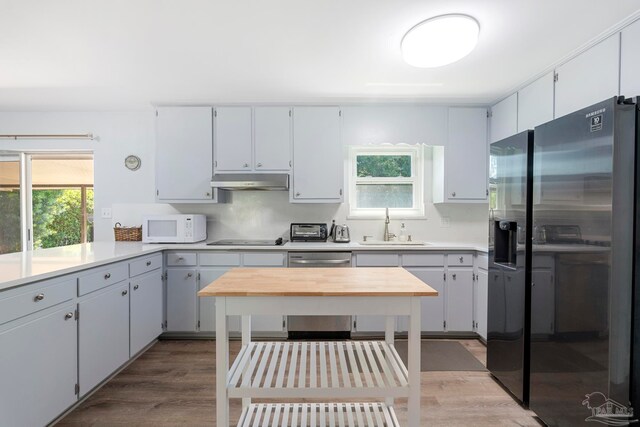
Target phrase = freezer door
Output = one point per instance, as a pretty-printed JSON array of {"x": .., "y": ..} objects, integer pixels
[{"x": 509, "y": 252}]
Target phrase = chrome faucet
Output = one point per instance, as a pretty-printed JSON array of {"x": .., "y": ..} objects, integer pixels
[{"x": 387, "y": 236}]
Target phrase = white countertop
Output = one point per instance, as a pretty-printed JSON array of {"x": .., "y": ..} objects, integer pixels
[{"x": 24, "y": 267}]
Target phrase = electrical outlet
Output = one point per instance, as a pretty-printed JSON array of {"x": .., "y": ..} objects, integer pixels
[
  {"x": 444, "y": 221},
  {"x": 106, "y": 212}
]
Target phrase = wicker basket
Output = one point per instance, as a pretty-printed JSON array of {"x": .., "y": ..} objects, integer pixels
[{"x": 127, "y": 234}]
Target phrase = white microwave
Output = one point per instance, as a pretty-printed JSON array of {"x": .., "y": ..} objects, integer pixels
[{"x": 174, "y": 228}]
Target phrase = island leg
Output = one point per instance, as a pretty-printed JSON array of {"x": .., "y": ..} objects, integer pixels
[
  {"x": 413, "y": 410},
  {"x": 389, "y": 337},
  {"x": 222, "y": 362},
  {"x": 246, "y": 340}
]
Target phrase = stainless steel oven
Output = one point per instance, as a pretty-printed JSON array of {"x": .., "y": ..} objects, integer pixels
[{"x": 324, "y": 327}]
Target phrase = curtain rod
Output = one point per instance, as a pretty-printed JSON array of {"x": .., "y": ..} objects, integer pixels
[{"x": 63, "y": 136}]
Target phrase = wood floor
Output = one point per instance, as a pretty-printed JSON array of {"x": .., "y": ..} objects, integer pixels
[{"x": 173, "y": 383}]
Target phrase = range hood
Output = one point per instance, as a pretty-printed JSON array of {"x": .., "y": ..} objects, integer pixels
[{"x": 253, "y": 181}]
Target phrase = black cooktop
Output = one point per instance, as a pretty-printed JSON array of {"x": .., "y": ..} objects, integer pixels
[{"x": 247, "y": 242}]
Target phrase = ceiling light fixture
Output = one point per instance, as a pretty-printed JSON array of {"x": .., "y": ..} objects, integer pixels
[{"x": 440, "y": 40}]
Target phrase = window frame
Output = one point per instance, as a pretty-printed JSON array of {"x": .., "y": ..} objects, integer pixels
[{"x": 416, "y": 180}]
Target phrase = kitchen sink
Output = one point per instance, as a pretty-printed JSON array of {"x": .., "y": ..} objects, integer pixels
[{"x": 370, "y": 242}]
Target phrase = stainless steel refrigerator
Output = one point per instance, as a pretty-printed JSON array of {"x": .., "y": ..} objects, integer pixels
[
  {"x": 582, "y": 269},
  {"x": 510, "y": 262}
]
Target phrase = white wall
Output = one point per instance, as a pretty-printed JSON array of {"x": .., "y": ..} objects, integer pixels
[{"x": 249, "y": 214}]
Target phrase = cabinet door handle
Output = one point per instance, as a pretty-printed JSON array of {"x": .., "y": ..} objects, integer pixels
[
  {"x": 107, "y": 276},
  {"x": 124, "y": 293},
  {"x": 208, "y": 194},
  {"x": 297, "y": 194},
  {"x": 453, "y": 276},
  {"x": 38, "y": 297},
  {"x": 68, "y": 316},
  {"x": 148, "y": 263},
  {"x": 461, "y": 260},
  {"x": 135, "y": 288},
  {"x": 189, "y": 274},
  {"x": 246, "y": 165},
  {"x": 453, "y": 194},
  {"x": 180, "y": 258},
  {"x": 259, "y": 165}
]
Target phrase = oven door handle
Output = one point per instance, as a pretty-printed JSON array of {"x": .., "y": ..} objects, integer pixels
[{"x": 321, "y": 261}]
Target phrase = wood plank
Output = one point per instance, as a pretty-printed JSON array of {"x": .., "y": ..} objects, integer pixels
[{"x": 392, "y": 281}]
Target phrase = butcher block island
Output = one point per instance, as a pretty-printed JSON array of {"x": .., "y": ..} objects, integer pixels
[{"x": 334, "y": 372}]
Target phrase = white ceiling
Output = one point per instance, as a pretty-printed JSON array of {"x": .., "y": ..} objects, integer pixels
[{"x": 129, "y": 54}]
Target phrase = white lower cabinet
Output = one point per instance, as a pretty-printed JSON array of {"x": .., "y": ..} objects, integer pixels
[
  {"x": 449, "y": 274},
  {"x": 146, "y": 310},
  {"x": 207, "y": 305},
  {"x": 38, "y": 368},
  {"x": 182, "y": 315},
  {"x": 432, "y": 318},
  {"x": 186, "y": 312},
  {"x": 103, "y": 334},
  {"x": 481, "y": 302},
  {"x": 459, "y": 298}
]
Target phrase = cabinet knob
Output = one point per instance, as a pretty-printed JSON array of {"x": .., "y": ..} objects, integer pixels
[
  {"x": 38, "y": 297},
  {"x": 189, "y": 274},
  {"x": 297, "y": 194},
  {"x": 180, "y": 258},
  {"x": 107, "y": 276},
  {"x": 259, "y": 165},
  {"x": 246, "y": 165},
  {"x": 135, "y": 288},
  {"x": 148, "y": 263},
  {"x": 453, "y": 194},
  {"x": 125, "y": 293},
  {"x": 68, "y": 316},
  {"x": 208, "y": 194},
  {"x": 454, "y": 276},
  {"x": 461, "y": 260}
]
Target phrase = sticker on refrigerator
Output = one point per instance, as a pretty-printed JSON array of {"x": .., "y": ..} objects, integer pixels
[{"x": 596, "y": 123}]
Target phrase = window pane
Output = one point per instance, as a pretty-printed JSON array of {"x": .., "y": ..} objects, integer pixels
[
  {"x": 10, "y": 206},
  {"x": 383, "y": 166},
  {"x": 62, "y": 200},
  {"x": 384, "y": 196}
]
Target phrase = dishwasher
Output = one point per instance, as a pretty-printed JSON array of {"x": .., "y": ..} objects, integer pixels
[{"x": 319, "y": 327}]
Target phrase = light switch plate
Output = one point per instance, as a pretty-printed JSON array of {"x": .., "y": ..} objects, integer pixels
[{"x": 106, "y": 212}]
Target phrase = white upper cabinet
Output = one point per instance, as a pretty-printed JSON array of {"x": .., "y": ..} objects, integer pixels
[
  {"x": 184, "y": 155},
  {"x": 504, "y": 118},
  {"x": 535, "y": 103},
  {"x": 272, "y": 133},
  {"x": 630, "y": 60},
  {"x": 233, "y": 137},
  {"x": 318, "y": 160},
  {"x": 590, "y": 77},
  {"x": 252, "y": 139},
  {"x": 460, "y": 168}
]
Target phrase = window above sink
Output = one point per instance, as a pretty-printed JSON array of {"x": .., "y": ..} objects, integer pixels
[{"x": 386, "y": 176}]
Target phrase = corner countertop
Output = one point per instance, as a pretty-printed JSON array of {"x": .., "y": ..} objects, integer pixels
[{"x": 25, "y": 267}]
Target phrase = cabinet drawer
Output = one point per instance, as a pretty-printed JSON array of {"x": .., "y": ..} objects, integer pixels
[
  {"x": 377, "y": 260},
  {"x": 457, "y": 260},
  {"x": 181, "y": 259},
  {"x": 99, "y": 278},
  {"x": 144, "y": 265},
  {"x": 219, "y": 258},
  {"x": 423, "y": 260},
  {"x": 263, "y": 260},
  {"x": 36, "y": 297}
]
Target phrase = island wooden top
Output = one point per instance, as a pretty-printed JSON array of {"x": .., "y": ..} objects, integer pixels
[{"x": 375, "y": 281}]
